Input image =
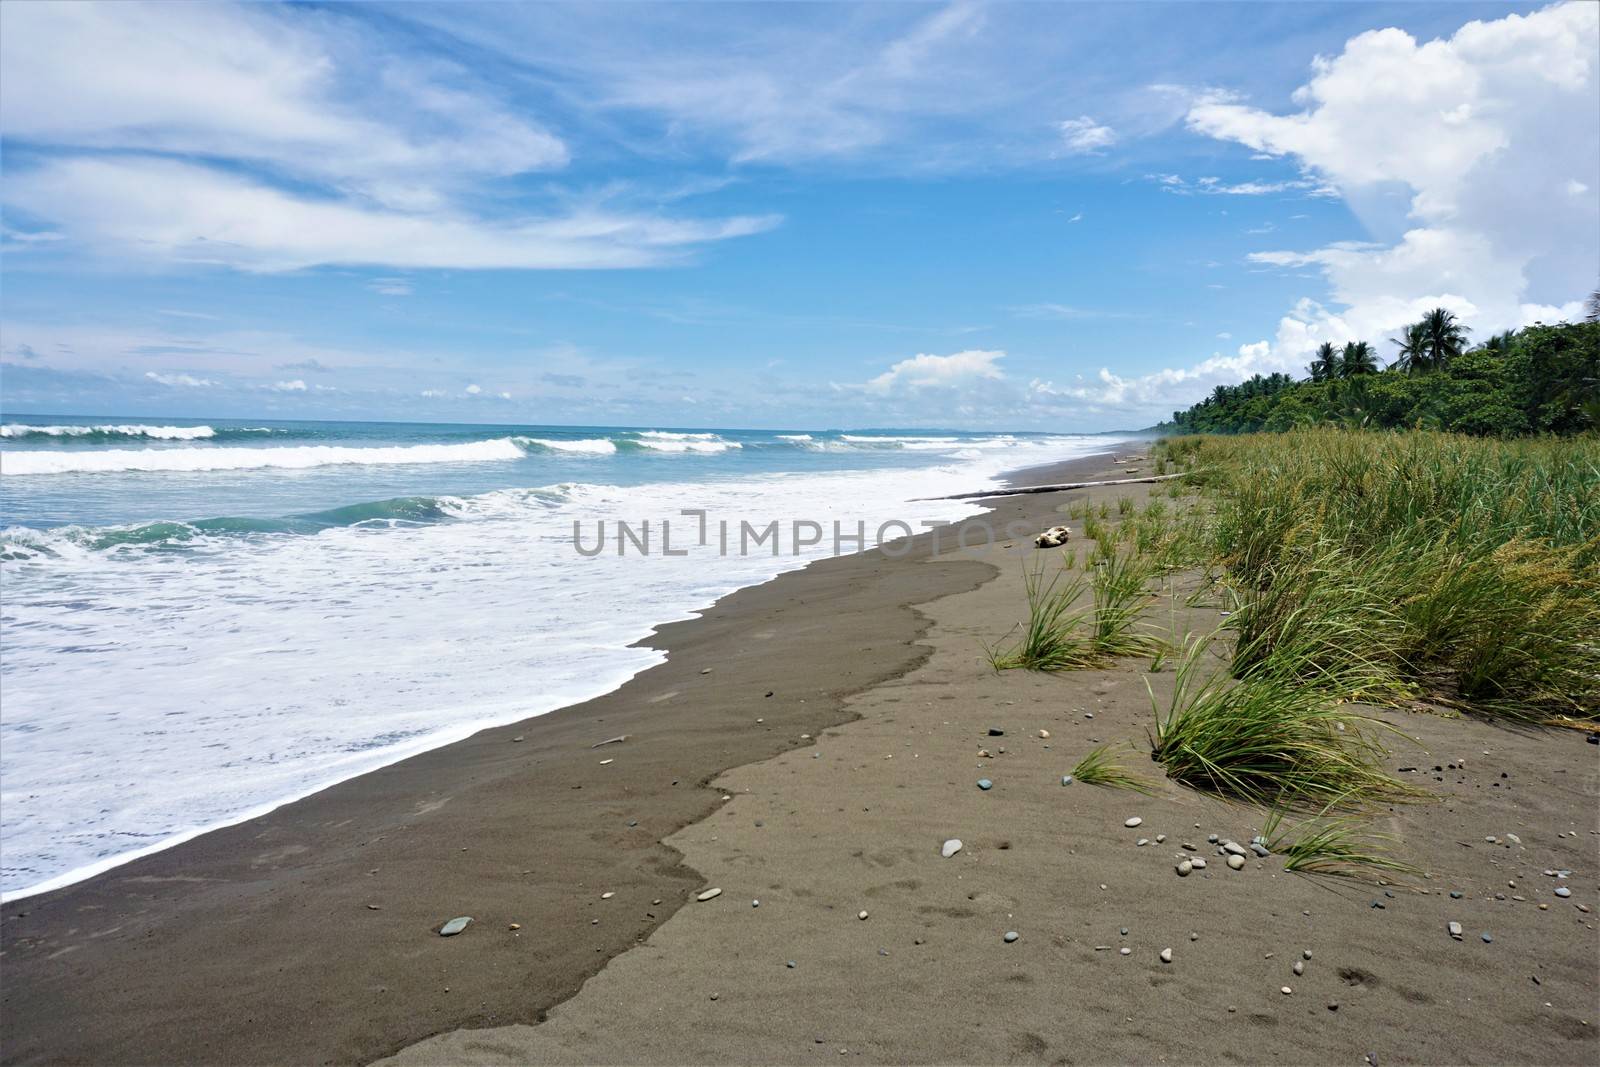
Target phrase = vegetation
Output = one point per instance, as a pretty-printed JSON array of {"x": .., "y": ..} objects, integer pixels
[
  {"x": 1097, "y": 768},
  {"x": 1540, "y": 380},
  {"x": 1268, "y": 741},
  {"x": 1388, "y": 567},
  {"x": 1050, "y": 641},
  {"x": 1332, "y": 846}
]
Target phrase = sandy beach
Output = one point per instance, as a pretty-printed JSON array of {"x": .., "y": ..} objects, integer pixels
[{"x": 810, "y": 744}]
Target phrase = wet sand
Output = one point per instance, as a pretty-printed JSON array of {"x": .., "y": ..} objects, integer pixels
[{"x": 257, "y": 944}]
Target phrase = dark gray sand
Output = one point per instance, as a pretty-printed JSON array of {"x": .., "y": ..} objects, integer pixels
[{"x": 258, "y": 944}]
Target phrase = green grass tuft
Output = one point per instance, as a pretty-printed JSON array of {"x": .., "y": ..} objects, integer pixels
[{"x": 1097, "y": 768}]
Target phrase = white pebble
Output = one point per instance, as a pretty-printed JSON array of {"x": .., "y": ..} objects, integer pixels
[
  {"x": 861, "y": 915},
  {"x": 708, "y": 894},
  {"x": 951, "y": 847},
  {"x": 1166, "y": 955},
  {"x": 1135, "y": 821}
]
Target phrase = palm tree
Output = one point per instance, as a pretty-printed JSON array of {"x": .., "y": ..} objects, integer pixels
[
  {"x": 1446, "y": 338},
  {"x": 1358, "y": 358},
  {"x": 1413, "y": 345},
  {"x": 1500, "y": 344},
  {"x": 1325, "y": 367}
]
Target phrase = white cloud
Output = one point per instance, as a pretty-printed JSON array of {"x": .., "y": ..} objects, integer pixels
[
  {"x": 1084, "y": 135},
  {"x": 179, "y": 381},
  {"x": 473, "y": 390},
  {"x": 305, "y": 95},
  {"x": 433, "y": 394},
  {"x": 294, "y": 386},
  {"x": 390, "y": 286},
  {"x": 925, "y": 371},
  {"x": 1485, "y": 132},
  {"x": 504, "y": 396},
  {"x": 277, "y": 137},
  {"x": 182, "y": 212}
]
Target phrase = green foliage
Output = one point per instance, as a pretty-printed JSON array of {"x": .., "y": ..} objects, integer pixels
[
  {"x": 1384, "y": 566},
  {"x": 1050, "y": 641},
  {"x": 1540, "y": 380},
  {"x": 1097, "y": 768},
  {"x": 1269, "y": 741}
]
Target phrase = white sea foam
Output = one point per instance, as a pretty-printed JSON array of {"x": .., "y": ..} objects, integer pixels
[
  {"x": 795, "y": 437},
  {"x": 150, "y": 694},
  {"x": 597, "y": 446},
  {"x": 707, "y": 443},
  {"x": 297, "y": 457},
  {"x": 163, "y": 433}
]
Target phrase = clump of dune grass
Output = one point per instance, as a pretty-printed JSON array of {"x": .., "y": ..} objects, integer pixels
[
  {"x": 1340, "y": 846},
  {"x": 1098, "y": 768},
  {"x": 1268, "y": 740},
  {"x": 1052, "y": 639},
  {"x": 1120, "y": 602}
]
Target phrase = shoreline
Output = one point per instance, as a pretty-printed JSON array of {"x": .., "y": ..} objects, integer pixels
[{"x": 234, "y": 915}]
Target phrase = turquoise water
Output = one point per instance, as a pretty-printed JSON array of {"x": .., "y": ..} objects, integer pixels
[{"x": 203, "y": 619}]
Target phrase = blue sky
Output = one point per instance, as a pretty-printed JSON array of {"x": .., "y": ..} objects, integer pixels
[{"x": 991, "y": 216}]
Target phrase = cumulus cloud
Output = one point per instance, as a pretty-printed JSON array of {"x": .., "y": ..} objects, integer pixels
[
  {"x": 473, "y": 390},
  {"x": 925, "y": 371},
  {"x": 1486, "y": 134},
  {"x": 295, "y": 385},
  {"x": 179, "y": 381},
  {"x": 1084, "y": 135}
]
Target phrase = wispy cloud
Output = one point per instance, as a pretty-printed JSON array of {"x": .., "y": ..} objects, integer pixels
[{"x": 1084, "y": 135}]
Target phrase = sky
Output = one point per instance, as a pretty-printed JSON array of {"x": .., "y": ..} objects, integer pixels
[{"x": 1062, "y": 217}]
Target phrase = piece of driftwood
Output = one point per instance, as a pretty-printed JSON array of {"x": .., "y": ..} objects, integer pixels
[
  {"x": 1058, "y": 487},
  {"x": 610, "y": 741}
]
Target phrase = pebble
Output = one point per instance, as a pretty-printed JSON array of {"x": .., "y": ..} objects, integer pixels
[
  {"x": 1124, "y": 931},
  {"x": 708, "y": 894},
  {"x": 1299, "y": 967},
  {"x": 1487, "y": 939},
  {"x": 454, "y": 926},
  {"x": 705, "y": 670},
  {"x": 1259, "y": 849},
  {"x": 516, "y": 926},
  {"x": 607, "y": 896},
  {"x": 1011, "y": 935},
  {"x": 951, "y": 847},
  {"x": 791, "y": 964},
  {"x": 605, "y": 762},
  {"x": 996, "y": 733},
  {"x": 1198, "y": 864},
  {"x": 1066, "y": 779},
  {"x": 1455, "y": 894},
  {"x": 1563, "y": 891},
  {"x": 1232, "y": 849},
  {"x": 1184, "y": 868},
  {"x": 985, "y": 784},
  {"x": 1286, "y": 991},
  {"x": 1305, "y": 954},
  {"x": 1132, "y": 822},
  {"x": 1454, "y": 928},
  {"x": 1236, "y": 862},
  {"x": 1166, "y": 955},
  {"x": 1193, "y": 936},
  {"x": 755, "y": 903},
  {"x": 861, "y": 915},
  {"x": 1044, "y": 734},
  {"x": 1212, "y": 838},
  {"x": 1125, "y": 951},
  {"x": 1160, "y": 838},
  {"x": 1143, "y": 841}
]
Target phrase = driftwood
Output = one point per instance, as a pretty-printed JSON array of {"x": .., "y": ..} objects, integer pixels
[
  {"x": 1058, "y": 487},
  {"x": 610, "y": 741}
]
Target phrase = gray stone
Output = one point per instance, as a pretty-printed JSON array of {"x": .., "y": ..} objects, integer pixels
[
  {"x": 1132, "y": 822},
  {"x": 1233, "y": 849},
  {"x": 1166, "y": 955},
  {"x": 1125, "y": 951},
  {"x": 1184, "y": 867},
  {"x": 1563, "y": 891},
  {"x": 1299, "y": 967},
  {"x": 1454, "y": 928},
  {"x": 454, "y": 926},
  {"x": 985, "y": 784},
  {"x": 1198, "y": 864},
  {"x": 1260, "y": 849},
  {"x": 1487, "y": 939},
  {"x": 708, "y": 894},
  {"x": 1066, "y": 779},
  {"x": 1011, "y": 935},
  {"x": 1236, "y": 862}
]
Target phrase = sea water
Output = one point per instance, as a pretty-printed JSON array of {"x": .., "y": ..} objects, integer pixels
[{"x": 201, "y": 621}]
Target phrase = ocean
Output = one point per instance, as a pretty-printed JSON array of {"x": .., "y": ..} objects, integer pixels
[{"x": 202, "y": 620}]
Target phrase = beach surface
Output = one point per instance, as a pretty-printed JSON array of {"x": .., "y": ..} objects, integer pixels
[{"x": 833, "y": 747}]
